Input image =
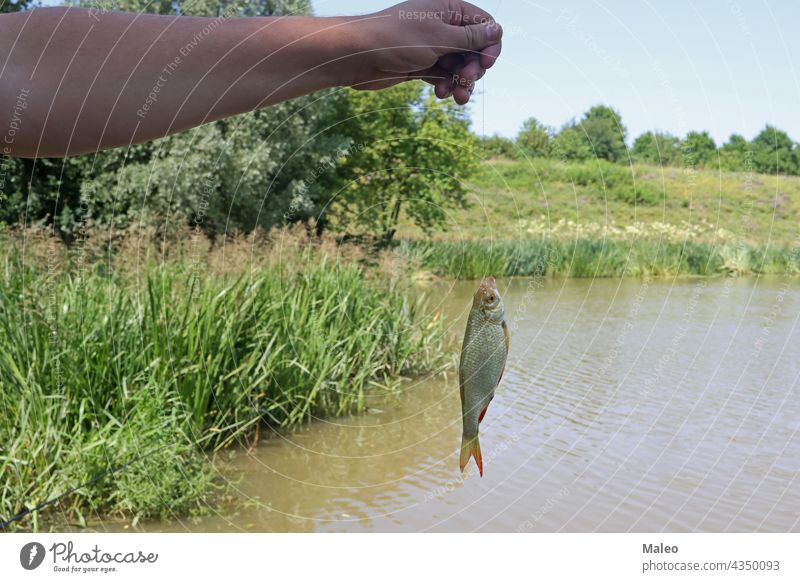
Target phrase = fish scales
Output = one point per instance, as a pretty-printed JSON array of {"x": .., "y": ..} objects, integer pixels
[{"x": 483, "y": 359}]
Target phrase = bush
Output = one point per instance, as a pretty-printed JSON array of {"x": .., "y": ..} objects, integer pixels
[{"x": 497, "y": 146}]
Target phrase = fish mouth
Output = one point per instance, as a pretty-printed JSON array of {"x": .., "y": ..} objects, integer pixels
[{"x": 488, "y": 285}]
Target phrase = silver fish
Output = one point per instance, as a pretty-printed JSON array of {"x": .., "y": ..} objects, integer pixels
[{"x": 483, "y": 360}]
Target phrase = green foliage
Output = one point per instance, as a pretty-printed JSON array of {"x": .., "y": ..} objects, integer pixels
[
  {"x": 14, "y": 5},
  {"x": 699, "y": 149},
  {"x": 250, "y": 171},
  {"x": 155, "y": 464},
  {"x": 600, "y": 135},
  {"x": 534, "y": 138},
  {"x": 462, "y": 260},
  {"x": 591, "y": 258},
  {"x": 657, "y": 148},
  {"x": 497, "y": 146},
  {"x": 736, "y": 154},
  {"x": 408, "y": 152},
  {"x": 774, "y": 152},
  {"x": 605, "y": 134},
  {"x": 611, "y": 182},
  {"x": 592, "y": 194},
  {"x": 570, "y": 144}
]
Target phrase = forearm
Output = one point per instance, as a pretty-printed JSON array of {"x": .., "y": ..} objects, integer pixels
[{"x": 93, "y": 81}]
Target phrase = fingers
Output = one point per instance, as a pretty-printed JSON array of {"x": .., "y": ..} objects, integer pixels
[
  {"x": 451, "y": 64},
  {"x": 465, "y": 77},
  {"x": 441, "y": 79},
  {"x": 479, "y": 29},
  {"x": 489, "y": 55},
  {"x": 472, "y": 37},
  {"x": 471, "y": 71},
  {"x": 454, "y": 75},
  {"x": 472, "y": 42},
  {"x": 472, "y": 31}
]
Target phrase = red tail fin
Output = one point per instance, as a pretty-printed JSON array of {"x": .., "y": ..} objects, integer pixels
[{"x": 471, "y": 447}]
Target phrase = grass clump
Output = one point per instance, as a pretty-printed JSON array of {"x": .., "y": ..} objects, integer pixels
[{"x": 125, "y": 383}]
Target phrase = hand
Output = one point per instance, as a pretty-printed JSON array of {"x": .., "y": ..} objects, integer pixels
[{"x": 447, "y": 43}]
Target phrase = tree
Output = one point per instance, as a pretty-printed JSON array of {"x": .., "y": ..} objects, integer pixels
[
  {"x": 603, "y": 129},
  {"x": 570, "y": 144},
  {"x": 657, "y": 148},
  {"x": 774, "y": 152},
  {"x": 534, "y": 138},
  {"x": 699, "y": 148},
  {"x": 409, "y": 152},
  {"x": 736, "y": 155},
  {"x": 14, "y": 5},
  {"x": 497, "y": 146}
]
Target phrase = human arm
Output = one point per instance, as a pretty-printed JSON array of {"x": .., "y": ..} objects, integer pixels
[{"x": 93, "y": 81}]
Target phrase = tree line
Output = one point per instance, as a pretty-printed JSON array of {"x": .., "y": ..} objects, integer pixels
[{"x": 601, "y": 134}]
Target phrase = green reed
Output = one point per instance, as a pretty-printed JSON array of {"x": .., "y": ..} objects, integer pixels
[
  {"x": 472, "y": 259},
  {"x": 158, "y": 370}
]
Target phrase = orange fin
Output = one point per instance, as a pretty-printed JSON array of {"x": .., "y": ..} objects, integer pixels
[
  {"x": 482, "y": 414},
  {"x": 471, "y": 447}
]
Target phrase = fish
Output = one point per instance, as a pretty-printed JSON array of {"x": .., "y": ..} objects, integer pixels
[{"x": 483, "y": 361}]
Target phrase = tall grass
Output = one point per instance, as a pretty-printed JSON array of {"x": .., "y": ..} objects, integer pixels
[
  {"x": 472, "y": 259},
  {"x": 156, "y": 371}
]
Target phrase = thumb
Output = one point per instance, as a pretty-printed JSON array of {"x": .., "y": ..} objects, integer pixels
[{"x": 473, "y": 37}]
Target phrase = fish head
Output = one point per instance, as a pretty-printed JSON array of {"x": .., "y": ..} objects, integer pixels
[{"x": 487, "y": 299}]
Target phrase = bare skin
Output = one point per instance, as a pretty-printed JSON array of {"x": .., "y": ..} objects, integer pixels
[{"x": 74, "y": 81}]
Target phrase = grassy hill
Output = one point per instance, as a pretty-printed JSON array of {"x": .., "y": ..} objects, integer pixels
[{"x": 542, "y": 198}]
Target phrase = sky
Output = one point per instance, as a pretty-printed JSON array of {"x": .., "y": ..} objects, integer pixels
[{"x": 724, "y": 66}]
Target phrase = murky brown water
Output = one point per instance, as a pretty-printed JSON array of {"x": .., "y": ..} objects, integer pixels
[{"x": 645, "y": 406}]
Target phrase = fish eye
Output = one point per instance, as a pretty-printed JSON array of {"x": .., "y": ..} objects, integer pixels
[{"x": 491, "y": 298}]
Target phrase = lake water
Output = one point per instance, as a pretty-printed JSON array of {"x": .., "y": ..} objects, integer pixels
[{"x": 634, "y": 405}]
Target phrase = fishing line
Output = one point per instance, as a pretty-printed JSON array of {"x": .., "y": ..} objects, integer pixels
[{"x": 483, "y": 97}]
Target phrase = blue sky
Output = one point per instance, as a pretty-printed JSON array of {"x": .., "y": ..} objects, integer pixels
[{"x": 725, "y": 66}]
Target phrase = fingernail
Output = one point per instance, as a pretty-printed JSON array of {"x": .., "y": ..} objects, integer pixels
[{"x": 493, "y": 32}]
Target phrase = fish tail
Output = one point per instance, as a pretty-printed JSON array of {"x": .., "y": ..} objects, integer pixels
[{"x": 471, "y": 447}]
